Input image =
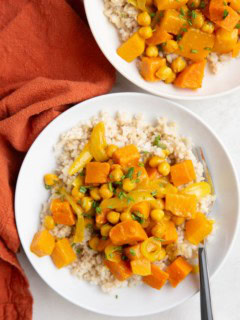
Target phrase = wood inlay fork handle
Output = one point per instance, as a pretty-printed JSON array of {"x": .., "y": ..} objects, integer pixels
[{"x": 205, "y": 295}]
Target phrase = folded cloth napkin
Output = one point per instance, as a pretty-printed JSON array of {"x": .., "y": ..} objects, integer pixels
[{"x": 48, "y": 61}]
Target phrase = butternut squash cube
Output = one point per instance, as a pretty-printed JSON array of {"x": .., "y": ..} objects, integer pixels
[
  {"x": 133, "y": 252},
  {"x": 132, "y": 48},
  {"x": 63, "y": 253},
  {"x": 159, "y": 36},
  {"x": 181, "y": 205},
  {"x": 236, "y": 50},
  {"x": 235, "y": 4},
  {"x": 225, "y": 40},
  {"x": 182, "y": 173},
  {"x": 97, "y": 172},
  {"x": 169, "y": 4},
  {"x": 178, "y": 271},
  {"x": 149, "y": 67},
  {"x": 126, "y": 156},
  {"x": 198, "y": 229},
  {"x": 172, "y": 21},
  {"x": 120, "y": 270},
  {"x": 62, "y": 212},
  {"x": 171, "y": 235},
  {"x": 141, "y": 267},
  {"x": 196, "y": 44},
  {"x": 43, "y": 243},
  {"x": 157, "y": 279},
  {"x": 223, "y": 15}
]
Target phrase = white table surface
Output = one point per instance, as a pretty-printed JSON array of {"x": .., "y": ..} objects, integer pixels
[{"x": 223, "y": 115}]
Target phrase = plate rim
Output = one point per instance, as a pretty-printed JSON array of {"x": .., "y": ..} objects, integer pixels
[
  {"x": 138, "y": 84},
  {"x": 179, "y": 106}
]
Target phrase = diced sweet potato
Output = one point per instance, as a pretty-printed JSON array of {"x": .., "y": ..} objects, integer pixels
[
  {"x": 195, "y": 44},
  {"x": 159, "y": 36},
  {"x": 62, "y": 212},
  {"x": 143, "y": 207},
  {"x": 126, "y": 156},
  {"x": 236, "y": 50},
  {"x": 169, "y": 4},
  {"x": 181, "y": 205},
  {"x": 178, "y": 271},
  {"x": 198, "y": 229},
  {"x": 149, "y": 67},
  {"x": 63, "y": 253},
  {"x": 182, "y": 173},
  {"x": 132, "y": 48},
  {"x": 172, "y": 22},
  {"x": 153, "y": 173},
  {"x": 157, "y": 279},
  {"x": 170, "y": 235},
  {"x": 120, "y": 270},
  {"x": 97, "y": 172},
  {"x": 225, "y": 41},
  {"x": 133, "y": 252},
  {"x": 102, "y": 244},
  {"x": 235, "y": 4},
  {"x": 127, "y": 232},
  {"x": 223, "y": 15},
  {"x": 141, "y": 267},
  {"x": 43, "y": 243},
  {"x": 192, "y": 76}
]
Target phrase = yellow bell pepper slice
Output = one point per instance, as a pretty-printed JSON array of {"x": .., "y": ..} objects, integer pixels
[
  {"x": 79, "y": 231},
  {"x": 98, "y": 143},
  {"x": 199, "y": 189},
  {"x": 151, "y": 249},
  {"x": 113, "y": 253},
  {"x": 78, "y": 181},
  {"x": 79, "y": 163},
  {"x": 139, "y": 4}
]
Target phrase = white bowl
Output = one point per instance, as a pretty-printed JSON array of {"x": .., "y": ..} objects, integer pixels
[
  {"x": 226, "y": 81},
  {"x": 30, "y": 194}
]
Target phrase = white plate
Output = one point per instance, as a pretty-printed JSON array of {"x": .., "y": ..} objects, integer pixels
[
  {"x": 227, "y": 80},
  {"x": 30, "y": 194}
]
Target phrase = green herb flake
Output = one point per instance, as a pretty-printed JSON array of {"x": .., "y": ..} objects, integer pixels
[
  {"x": 83, "y": 189},
  {"x": 132, "y": 251},
  {"x": 79, "y": 250},
  {"x": 110, "y": 207},
  {"x": 202, "y": 5},
  {"x": 158, "y": 239},
  {"x": 225, "y": 13},
  {"x": 110, "y": 187},
  {"x": 130, "y": 172},
  {"x": 104, "y": 238},
  {"x": 194, "y": 51},
  {"x": 47, "y": 186},
  {"x": 116, "y": 296},
  {"x": 141, "y": 164},
  {"x": 152, "y": 15},
  {"x": 237, "y": 26},
  {"x": 98, "y": 210},
  {"x": 154, "y": 193},
  {"x": 193, "y": 14},
  {"x": 124, "y": 258}
]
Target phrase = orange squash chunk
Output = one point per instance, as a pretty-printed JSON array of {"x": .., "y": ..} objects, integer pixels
[
  {"x": 178, "y": 271},
  {"x": 169, "y": 4},
  {"x": 132, "y": 48},
  {"x": 225, "y": 40},
  {"x": 141, "y": 267},
  {"x": 181, "y": 205},
  {"x": 159, "y": 36},
  {"x": 196, "y": 44},
  {"x": 229, "y": 23},
  {"x": 192, "y": 76},
  {"x": 172, "y": 22},
  {"x": 157, "y": 279},
  {"x": 102, "y": 244},
  {"x": 170, "y": 236},
  {"x": 63, "y": 253},
  {"x": 140, "y": 174},
  {"x": 101, "y": 217},
  {"x": 198, "y": 229},
  {"x": 143, "y": 207},
  {"x": 62, "y": 212},
  {"x": 153, "y": 173},
  {"x": 236, "y": 50},
  {"x": 133, "y": 252},
  {"x": 43, "y": 243},
  {"x": 149, "y": 67},
  {"x": 182, "y": 173},
  {"x": 127, "y": 232},
  {"x": 97, "y": 172},
  {"x": 223, "y": 15},
  {"x": 120, "y": 270},
  {"x": 126, "y": 156},
  {"x": 235, "y": 4}
]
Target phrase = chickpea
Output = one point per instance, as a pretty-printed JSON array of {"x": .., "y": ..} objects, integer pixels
[
  {"x": 171, "y": 78},
  {"x": 166, "y": 152},
  {"x": 145, "y": 32},
  {"x": 164, "y": 72},
  {"x": 111, "y": 148},
  {"x": 50, "y": 179},
  {"x": 155, "y": 161},
  {"x": 115, "y": 166},
  {"x": 178, "y": 220},
  {"x": 184, "y": 9},
  {"x": 49, "y": 223},
  {"x": 159, "y": 229},
  {"x": 125, "y": 216},
  {"x": 77, "y": 195},
  {"x": 197, "y": 19},
  {"x": 208, "y": 27},
  {"x": 193, "y": 3},
  {"x": 178, "y": 64},
  {"x": 104, "y": 191},
  {"x": 164, "y": 168},
  {"x": 86, "y": 203},
  {"x": 162, "y": 254},
  {"x": 152, "y": 51},
  {"x": 171, "y": 46},
  {"x": 158, "y": 204},
  {"x": 95, "y": 194},
  {"x": 128, "y": 185},
  {"x": 105, "y": 229},
  {"x": 144, "y": 19},
  {"x": 93, "y": 243},
  {"x": 116, "y": 175},
  {"x": 113, "y": 217},
  {"x": 157, "y": 214}
]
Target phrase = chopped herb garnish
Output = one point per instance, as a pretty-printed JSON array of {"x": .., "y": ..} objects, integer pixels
[
  {"x": 104, "y": 238},
  {"x": 157, "y": 141},
  {"x": 83, "y": 189},
  {"x": 79, "y": 250},
  {"x": 122, "y": 195},
  {"x": 87, "y": 215},
  {"x": 47, "y": 186},
  {"x": 95, "y": 204},
  {"x": 73, "y": 244},
  {"x": 158, "y": 239},
  {"x": 82, "y": 173},
  {"x": 110, "y": 187},
  {"x": 194, "y": 51},
  {"x": 129, "y": 174},
  {"x": 132, "y": 251},
  {"x": 193, "y": 14},
  {"x": 124, "y": 258},
  {"x": 141, "y": 164},
  {"x": 225, "y": 14},
  {"x": 202, "y": 5},
  {"x": 116, "y": 296},
  {"x": 181, "y": 47},
  {"x": 89, "y": 226},
  {"x": 154, "y": 193},
  {"x": 98, "y": 210},
  {"x": 179, "y": 37},
  {"x": 152, "y": 14},
  {"x": 129, "y": 199},
  {"x": 237, "y": 26},
  {"x": 137, "y": 216},
  {"x": 110, "y": 207},
  {"x": 207, "y": 48},
  {"x": 139, "y": 173},
  {"x": 182, "y": 12}
]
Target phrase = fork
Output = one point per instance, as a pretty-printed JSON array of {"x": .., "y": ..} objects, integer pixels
[{"x": 205, "y": 294}]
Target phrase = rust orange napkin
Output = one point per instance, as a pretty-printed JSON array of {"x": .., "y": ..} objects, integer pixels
[{"x": 48, "y": 61}]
